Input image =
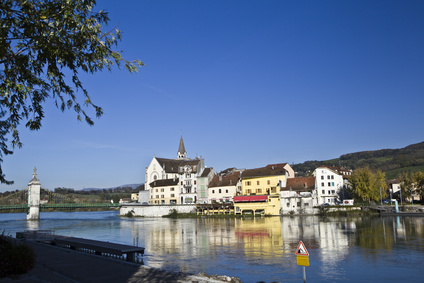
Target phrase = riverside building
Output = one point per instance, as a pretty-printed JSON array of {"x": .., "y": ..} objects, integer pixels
[{"x": 175, "y": 181}]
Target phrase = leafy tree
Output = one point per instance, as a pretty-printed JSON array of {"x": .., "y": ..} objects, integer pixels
[
  {"x": 419, "y": 183},
  {"x": 406, "y": 183},
  {"x": 44, "y": 45},
  {"x": 366, "y": 185}
]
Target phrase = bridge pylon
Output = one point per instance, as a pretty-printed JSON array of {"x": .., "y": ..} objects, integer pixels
[{"x": 34, "y": 197}]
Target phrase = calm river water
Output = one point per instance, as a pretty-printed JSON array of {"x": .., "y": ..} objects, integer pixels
[{"x": 362, "y": 249}]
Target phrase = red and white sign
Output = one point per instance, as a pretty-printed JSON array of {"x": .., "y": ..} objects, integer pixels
[{"x": 301, "y": 249}]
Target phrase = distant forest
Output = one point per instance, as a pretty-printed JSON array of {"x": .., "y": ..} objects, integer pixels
[{"x": 390, "y": 161}]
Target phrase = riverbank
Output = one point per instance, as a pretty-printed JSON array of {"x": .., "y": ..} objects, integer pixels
[{"x": 56, "y": 264}]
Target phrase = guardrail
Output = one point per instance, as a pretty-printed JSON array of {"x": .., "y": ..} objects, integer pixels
[{"x": 61, "y": 205}]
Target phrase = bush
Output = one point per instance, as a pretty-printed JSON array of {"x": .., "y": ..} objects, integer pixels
[{"x": 15, "y": 258}]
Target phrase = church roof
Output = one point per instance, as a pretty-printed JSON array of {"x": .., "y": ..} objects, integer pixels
[
  {"x": 181, "y": 148},
  {"x": 172, "y": 165}
]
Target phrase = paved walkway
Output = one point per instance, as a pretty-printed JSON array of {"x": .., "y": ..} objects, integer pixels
[{"x": 56, "y": 264}]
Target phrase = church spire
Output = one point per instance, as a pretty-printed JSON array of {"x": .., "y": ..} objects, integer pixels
[{"x": 182, "y": 154}]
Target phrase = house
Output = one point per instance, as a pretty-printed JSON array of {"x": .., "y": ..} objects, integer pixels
[
  {"x": 261, "y": 189},
  {"x": 164, "y": 191},
  {"x": 298, "y": 196},
  {"x": 329, "y": 184},
  {"x": 184, "y": 169},
  {"x": 266, "y": 180},
  {"x": 203, "y": 184},
  {"x": 224, "y": 186}
]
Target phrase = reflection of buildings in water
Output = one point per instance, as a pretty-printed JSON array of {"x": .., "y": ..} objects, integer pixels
[
  {"x": 260, "y": 236},
  {"x": 328, "y": 239},
  {"x": 334, "y": 244}
]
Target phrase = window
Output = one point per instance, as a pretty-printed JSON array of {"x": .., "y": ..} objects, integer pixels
[
  {"x": 323, "y": 192},
  {"x": 248, "y": 191},
  {"x": 247, "y": 183},
  {"x": 181, "y": 183},
  {"x": 329, "y": 192},
  {"x": 162, "y": 196},
  {"x": 259, "y": 191},
  {"x": 332, "y": 177},
  {"x": 328, "y": 177},
  {"x": 156, "y": 190},
  {"x": 298, "y": 204},
  {"x": 333, "y": 191},
  {"x": 219, "y": 190},
  {"x": 162, "y": 190},
  {"x": 322, "y": 177},
  {"x": 172, "y": 195},
  {"x": 329, "y": 184},
  {"x": 172, "y": 189},
  {"x": 195, "y": 182},
  {"x": 288, "y": 204},
  {"x": 268, "y": 182},
  {"x": 213, "y": 191},
  {"x": 332, "y": 184},
  {"x": 226, "y": 191},
  {"x": 157, "y": 196},
  {"x": 257, "y": 183},
  {"x": 322, "y": 184},
  {"x": 306, "y": 203}
]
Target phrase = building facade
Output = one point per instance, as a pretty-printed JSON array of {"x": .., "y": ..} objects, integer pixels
[
  {"x": 329, "y": 185},
  {"x": 174, "y": 181},
  {"x": 224, "y": 186},
  {"x": 299, "y": 196}
]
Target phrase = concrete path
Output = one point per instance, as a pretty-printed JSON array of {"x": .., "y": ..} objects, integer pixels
[{"x": 56, "y": 264}]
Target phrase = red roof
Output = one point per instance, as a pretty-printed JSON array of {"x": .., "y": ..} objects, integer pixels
[{"x": 250, "y": 198}]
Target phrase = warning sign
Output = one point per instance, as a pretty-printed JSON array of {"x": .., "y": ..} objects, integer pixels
[{"x": 301, "y": 249}]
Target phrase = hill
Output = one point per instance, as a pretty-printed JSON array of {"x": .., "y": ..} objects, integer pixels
[{"x": 390, "y": 161}]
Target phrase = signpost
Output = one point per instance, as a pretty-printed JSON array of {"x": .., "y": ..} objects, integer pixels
[{"x": 302, "y": 258}]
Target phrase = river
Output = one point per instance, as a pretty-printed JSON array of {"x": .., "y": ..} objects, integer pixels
[{"x": 357, "y": 249}]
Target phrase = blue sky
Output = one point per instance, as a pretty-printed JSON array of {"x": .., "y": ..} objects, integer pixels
[{"x": 248, "y": 83}]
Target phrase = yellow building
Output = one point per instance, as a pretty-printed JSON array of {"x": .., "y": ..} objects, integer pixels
[
  {"x": 266, "y": 180},
  {"x": 258, "y": 204},
  {"x": 261, "y": 189}
]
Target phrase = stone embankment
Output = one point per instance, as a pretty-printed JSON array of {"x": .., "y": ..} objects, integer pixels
[{"x": 56, "y": 264}]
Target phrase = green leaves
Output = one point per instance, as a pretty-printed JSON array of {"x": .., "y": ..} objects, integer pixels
[
  {"x": 366, "y": 185},
  {"x": 40, "y": 42}
]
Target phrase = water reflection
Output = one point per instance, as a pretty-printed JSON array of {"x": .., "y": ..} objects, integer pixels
[{"x": 259, "y": 249}]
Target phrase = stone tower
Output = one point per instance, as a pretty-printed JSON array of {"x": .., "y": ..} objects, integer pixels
[{"x": 34, "y": 197}]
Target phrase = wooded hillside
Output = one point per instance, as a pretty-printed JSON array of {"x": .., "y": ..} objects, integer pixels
[{"x": 390, "y": 161}]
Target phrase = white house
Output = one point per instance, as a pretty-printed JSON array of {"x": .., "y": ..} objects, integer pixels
[
  {"x": 298, "y": 196},
  {"x": 329, "y": 185},
  {"x": 224, "y": 186}
]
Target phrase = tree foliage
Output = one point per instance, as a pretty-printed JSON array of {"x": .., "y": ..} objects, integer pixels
[
  {"x": 367, "y": 185},
  {"x": 44, "y": 45},
  {"x": 410, "y": 183}
]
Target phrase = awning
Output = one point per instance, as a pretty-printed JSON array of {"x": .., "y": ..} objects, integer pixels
[{"x": 250, "y": 198}]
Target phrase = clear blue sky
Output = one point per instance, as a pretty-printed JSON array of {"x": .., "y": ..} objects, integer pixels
[{"x": 248, "y": 83}]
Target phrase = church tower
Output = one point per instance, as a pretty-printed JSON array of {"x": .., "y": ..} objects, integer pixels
[{"x": 182, "y": 154}]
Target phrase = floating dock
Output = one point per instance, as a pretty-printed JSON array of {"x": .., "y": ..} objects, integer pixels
[{"x": 119, "y": 251}]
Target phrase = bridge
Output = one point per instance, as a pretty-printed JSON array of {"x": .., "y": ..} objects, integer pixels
[{"x": 61, "y": 206}]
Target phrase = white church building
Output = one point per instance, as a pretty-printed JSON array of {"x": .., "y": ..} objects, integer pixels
[{"x": 174, "y": 181}]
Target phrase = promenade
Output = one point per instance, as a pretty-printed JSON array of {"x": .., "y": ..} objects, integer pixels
[{"x": 56, "y": 264}]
